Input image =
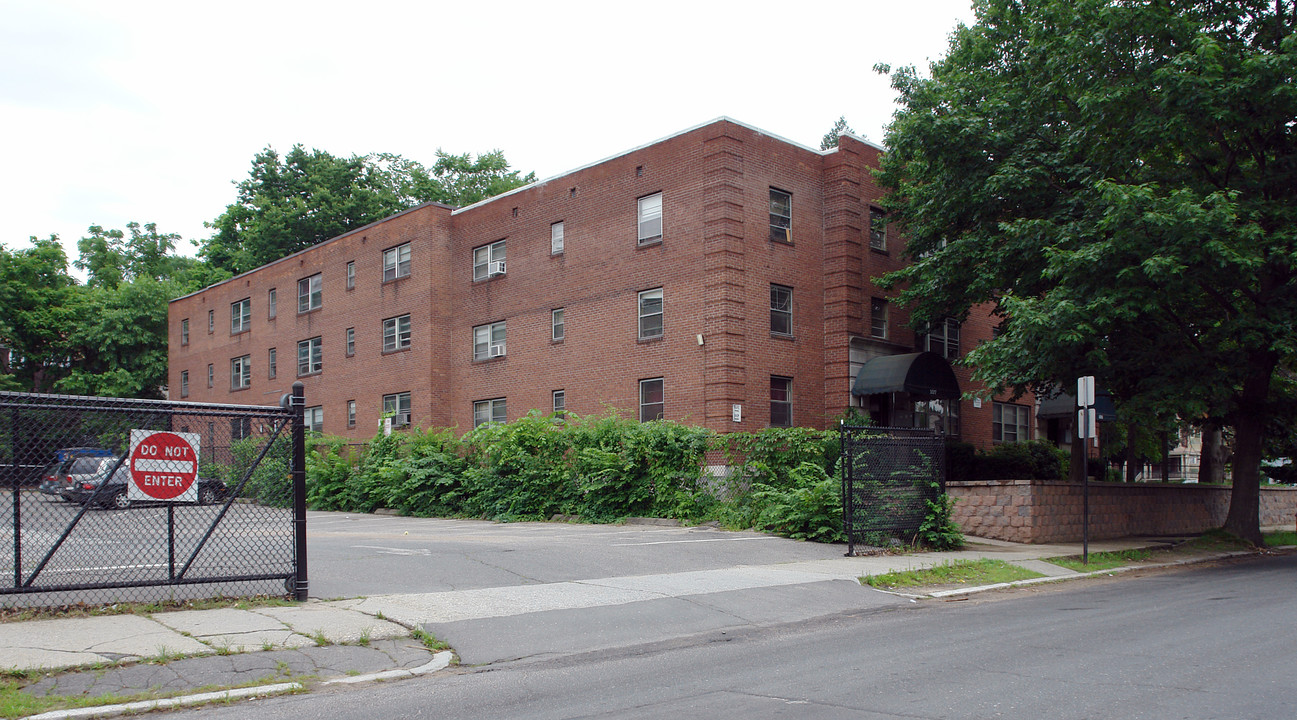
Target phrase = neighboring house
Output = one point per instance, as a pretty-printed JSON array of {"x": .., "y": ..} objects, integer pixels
[{"x": 720, "y": 277}]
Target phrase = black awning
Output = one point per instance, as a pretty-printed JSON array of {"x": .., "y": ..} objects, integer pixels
[
  {"x": 1063, "y": 405},
  {"x": 926, "y": 374}
]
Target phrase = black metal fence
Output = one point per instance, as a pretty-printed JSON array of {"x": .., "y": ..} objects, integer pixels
[
  {"x": 888, "y": 474},
  {"x": 109, "y": 500}
]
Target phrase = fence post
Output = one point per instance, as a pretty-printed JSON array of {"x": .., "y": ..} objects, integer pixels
[{"x": 301, "y": 585}]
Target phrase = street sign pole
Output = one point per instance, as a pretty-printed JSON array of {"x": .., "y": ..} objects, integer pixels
[{"x": 1085, "y": 428}]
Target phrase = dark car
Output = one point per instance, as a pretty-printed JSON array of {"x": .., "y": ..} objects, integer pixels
[
  {"x": 71, "y": 464},
  {"x": 113, "y": 494}
]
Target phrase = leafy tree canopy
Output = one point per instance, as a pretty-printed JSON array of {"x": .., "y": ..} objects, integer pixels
[
  {"x": 1119, "y": 179},
  {"x": 831, "y": 137},
  {"x": 289, "y": 204}
]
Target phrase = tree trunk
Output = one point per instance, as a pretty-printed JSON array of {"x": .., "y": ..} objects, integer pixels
[
  {"x": 1244, "y": 519},
  {"x": 1131, "y": 456},
  {"x": 1211, "y": 468}
]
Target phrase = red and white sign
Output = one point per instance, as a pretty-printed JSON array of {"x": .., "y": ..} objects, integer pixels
[{"x": 164, "y": 466}]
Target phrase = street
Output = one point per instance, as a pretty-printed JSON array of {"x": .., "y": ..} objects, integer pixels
[{"x": 1213, "y": 641}]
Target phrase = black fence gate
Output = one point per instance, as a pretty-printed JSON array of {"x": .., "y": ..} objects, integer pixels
[
  {"x": 109, "y": 500},
  {"x": 888, "y": 474}
]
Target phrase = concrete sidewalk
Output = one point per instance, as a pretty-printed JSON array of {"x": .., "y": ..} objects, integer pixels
[{"x": 369, "y": 638}]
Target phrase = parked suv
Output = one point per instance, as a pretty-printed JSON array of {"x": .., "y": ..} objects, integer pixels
[
  {"x": 113, "y": 495},
  {"x": 69, "y": 463}
]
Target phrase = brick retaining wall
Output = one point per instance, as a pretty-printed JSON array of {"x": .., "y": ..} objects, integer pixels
[{"x": 1042, "y": 511}]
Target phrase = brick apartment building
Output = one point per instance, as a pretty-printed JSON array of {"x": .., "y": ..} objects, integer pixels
[{"x": 719, "y": 277}]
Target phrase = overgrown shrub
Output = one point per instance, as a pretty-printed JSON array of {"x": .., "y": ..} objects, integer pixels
[
  {"x": 1035, "y": 460},
  {"x": 809, "y": 507}
]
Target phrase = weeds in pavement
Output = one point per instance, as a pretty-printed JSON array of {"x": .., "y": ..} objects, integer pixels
[
  {"x": 429, "y": 640},
  {"x": 23, "y": 614},
  {"x": 1103, "y": 560}
]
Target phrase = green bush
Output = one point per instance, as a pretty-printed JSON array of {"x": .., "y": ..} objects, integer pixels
[
  {"x": 1035, "y": 460},
  {"x": 808, "y": 508}
]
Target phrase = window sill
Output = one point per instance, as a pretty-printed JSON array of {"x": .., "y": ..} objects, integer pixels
[
  {"x": 879, "y": 251},
  {"x": 310, "y": 374},
  {"x": 489, "y": 359},
  {"x": 396, "y": 279},
  {"x": 308, "y": 312},
  {"x": 488, "y": 278},
  {"x": 240, "y": 389},
  {"x": 395, "y": 351},
  {"x": 646, "y": 340},
  {"x": 648, "y": 243},
  {"x": 785, "y": 243},
  {"x": 559, "y": 341},
  {"x": 783, "y": 336}
]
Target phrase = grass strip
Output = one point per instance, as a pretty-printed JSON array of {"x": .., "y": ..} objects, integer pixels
[
  {"x": 1279, "y": 539},
  {"x": 955, "y": 572},
  {"x": 1102, "y": 560}
]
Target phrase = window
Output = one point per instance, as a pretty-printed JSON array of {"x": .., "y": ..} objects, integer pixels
[
  {"x": 556, "y": 239},
  {"x": 650, "y": 314},
  {"x": 488, "y": 341},
  {"x": 942, "y": 339},
  {"x": 559, "y": 398},
  {"x": 240, "y": 428},
  {"x": 308, "y": 293},
  {"x": 781, "y": 401},
  {"x": 211, "y": 321},
  {"x": 941, "y": 415},
  {"x": 781, "y": 310},
  {"x": 184, "y": 383},
  {"x": 272, "y": 362},
  {"x": 272, "y": 303},
  {"x": 351, "y": 341},
  {"x": 877, "y": 229},
  {"x": 485, "y": 411},
  {"x": 310, "y": 356},
  {"x": 396, "y": 333},
  {"x": 556, "y": 325},
  {"x": 240, "y": 372},
  {"x": 651, "y": 403},
  {"x": 351, "y": 413},
  {"x": 1009, "y": 423},
  {"x": 397, "y": 407},
  {"x": 781, "y": 216},
  {"x": 241, "y": 316},
  {"x": 184, "y": 331},
  {"x": 396, "y": 262},
  {"x": 211, "y": 375},
  {"x": 488, "y": 261},
  {"x": 650, "y": 219},
  {"x": 351, "y": 275},
  {"x": 878, "y": 318},
  {"x": 314, "y": 418}
]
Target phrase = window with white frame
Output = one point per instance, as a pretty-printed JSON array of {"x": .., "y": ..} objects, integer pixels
[
  {"x": 650, "y": 314},
  {"x": 272, "y": 303},
  {"x": 938, "y": 414},
  {"x": 351, "y": 275},
  {"x": 211, "y": 321},
  {"x": 272, "y": 362},
  {"x": 877, "y": 229},
  {"x": 650, "y": 218},
  {"x": 396, "y": 262},
  {"x": 489, "y": 261},
  {"x": 351, "y": 341},
  {"x": 184, "y": 383},
  {"x": 781, "y": 309},
  {"x": 211, "y": 375},
  {"x": 781, "y": 216},
  {"x": 556, "y": 324},
  {"x": 878, "y": 318},
  {"x": 556, "y": 238},
  {"x": 240, "y": 372},
  {"x": 310, "y": 356},
  {"x": 351, "y": 413},
  {"x": 184, "y": 331},
  {"x": 309, "y": 293},
  {"x": 652, "y": 402},
  {"x": 942, "y": 338},
  {"x": 397, "y": 407},
  {"x": 396, "y": 333},
  {"x": 493, "y": 411},
  {"x": 1010, "y": 423},
  {"x": 559, "y": 400},
  {"x": 314, "y": 418},
  {"x": 781, "y": 401},
  {"x": 489, "y": 341}
]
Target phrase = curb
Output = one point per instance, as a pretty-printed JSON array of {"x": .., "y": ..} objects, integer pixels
[{"x": 439, "y": 661}]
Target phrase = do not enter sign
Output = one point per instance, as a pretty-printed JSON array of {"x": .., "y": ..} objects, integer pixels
[{"x": 164, "y": 466}]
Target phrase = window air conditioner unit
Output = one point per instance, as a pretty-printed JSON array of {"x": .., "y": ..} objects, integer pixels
[
  {"x": 401, "y": 419},
  {"x": 495, "y": 268},
  {"x": 497, "y": 351}
]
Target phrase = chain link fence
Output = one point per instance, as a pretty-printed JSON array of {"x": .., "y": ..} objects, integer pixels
[
  {"x": 888, "y": 475},
  {"x": 111, "y": 500}
]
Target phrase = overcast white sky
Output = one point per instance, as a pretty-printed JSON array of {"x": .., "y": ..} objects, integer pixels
[{"x": 148, "y": 111}]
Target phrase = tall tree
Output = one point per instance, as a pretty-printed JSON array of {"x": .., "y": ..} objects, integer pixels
[
  {"x": 831, "y": 137},
  {"x": 1120, "y": 179},
  {"x": 308, "y": 197},
  {"x": 40, "y": 305}
]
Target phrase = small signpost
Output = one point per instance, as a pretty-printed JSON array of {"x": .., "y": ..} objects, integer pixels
[
  {"x": 1085, "y": 429},
  {"x": 163, "y": 466}
]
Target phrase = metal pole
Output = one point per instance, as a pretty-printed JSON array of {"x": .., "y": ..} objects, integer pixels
[
  {"x": 171, "y": 540},
  {"x": 18, "y": 514},
  {"x": 301, "y": 584}
]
